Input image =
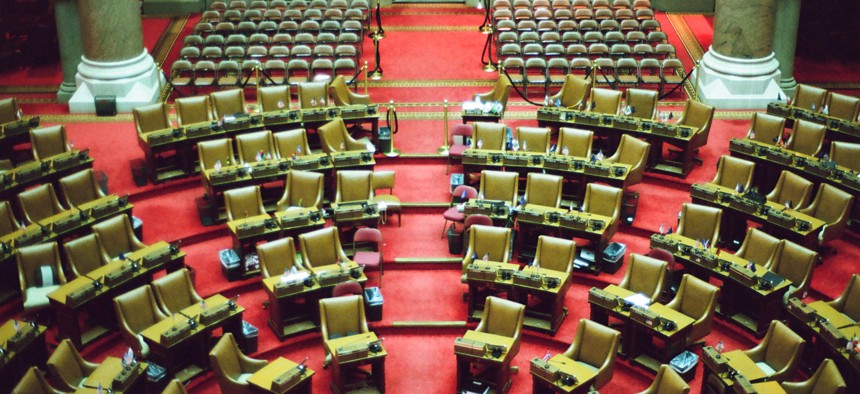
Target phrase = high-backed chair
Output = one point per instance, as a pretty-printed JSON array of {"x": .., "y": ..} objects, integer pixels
[
  {"x": 699, "y": 115},
  {"x": 499, "y": 185},
  {"x": 228, "y": 102},
  {"x": 303, "y": 189},
  {"x": 277, "y": 257},
  {"x": 732, "y": 172},
  {"x": 9, "y": 110},
  {"x": 832, "y": 205},
  {"x": 700, "y": 222},
  {"x": 605, "y": 101},
  {"x": 795, "y": 264},
  {"x": 779, "y": 352},
  {"x": 574, "y": 92},
  {"x": 845, "y": 154},
  {"x": 809, "y": 97},
  {"x": 696, "y": 299},
  {"x": 766, "y": 129},
  {"x": 232, "y": 367},
  {"x": 244, "y": 202},
  {"x": 84, "y": 254},
  {"x": 313, "y": 94},
  {"x": 40, "y": 272},
  {"x": 321, "y": 247},
  {"x": 760, "y": 247},
  {"x": 574, "y": 142},
  {"x": 806, "y": 137},
  {"x": 190, "y": 110},
  {"x": 174, "y": 387},
  {"x": 335, "y": 138},
  {"x": 645, "y": 275},
  {"x": 8, "y": 222},
  {"x": 667, "y": 381},
  {"x": 501, "y": 91},
  {"x": 340, "y": 317},
  {"x": 80, "y": 188},
  {"x": 543, "y": 189},
  {"x": 175, "y": 291},
  {"x": 826, "y": 379},
  {"x": 595, "y": 346},
  {"x": 341, "y": 95},
  {"x": 634, "y": 152},
  {"x": 843, "y": 106},
  {"x": 642, "y": 103},
  {"x": 354, "y": 185},
  {"x": 213, "y": 151},
  {"x": 384, "y": 180},
  {"x": 849, "y": 301},
  {"x": 116, "y": 237},
  {"x": 49, "y": 141},
  {"x": 151, "y": 117},
  {"x": 34, "y": 382},
  {"x": 487, "y": 135},
  {"x": 39, "y": 203},
  {"x": 792, "y": 189},
  {"x": 604, "y": 200},
  {"x": 251, "y": 145},
  {"x": 533, "y": 139},
  {"x": 554, "y": 253},
  {"x": 274, "y": 98},
  {"x": 460, "y": 134},
  {"x": 69, "y": 368},
  {"x": 494, "y": 243},
  {"x": 136, "y": 310},
  {"x": 292, "y": 142},
  {"x": 504, "y": 318}
]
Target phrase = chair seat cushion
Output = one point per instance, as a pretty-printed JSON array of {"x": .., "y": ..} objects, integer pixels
[
  {"x": 453, "y": 215},
  {"x": 367, "y": 259},
  {"x": 392, "y": 203},
  {"x": 243, "y": 378},
  {"x": 37, "y": 297}
]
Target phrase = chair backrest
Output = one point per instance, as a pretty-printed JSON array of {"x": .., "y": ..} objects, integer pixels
[
  {"x": 321, "y": 247},
  {"x": 575, "y": 142},
  {"x": 634, "y": 152},
  {"x": 80, "y": 188},
  {"x": 667, "y": 381},
  {"x": 383, "y": 180},
  {"x": 795, "y": 264},
  {"x": 700, "y": 222},
  {"x": 843, "y": 106},
  {"x": 605, "y": 101},
  {"x": 555, "y": 253},
  {"x": 342, "y": 316},
  {"x": 175, "y": 291},
  {"x": 83, "y": 254},
  {"x": 244, "y": 202},
  {"x": 602, "y": 200},
  {"x": 780, "y": 349},
  {"x": 696, "y": 299},
  {"x": 845, "y": 154},
  {"x": 250, "y": 145},
  {"x": 809, "y": 97},
  {"x": 334, "y": 137},
  {"x": 225, "y": 361},
  {"x": 49, "y": 141},
  {"x": 488, "y": 135},
  {"x": 354, "y": 185},
  {"x": 116, "y": 236},
  {"x": 645, "y": 275},
  {"x": 767, "y": 128},
  {"x": 700, "y": 115},
  {"x": 849, "y": 301},
  {"x": 9, "y": 110},
  {"x": 39, "y": 266},
  {"x": 277, "y": 257},
  {"x": 732, "y": 171},
  {"x": 68, "y": 366},
  {"x": 499, "y": 185},
  {"x": 33, "y": 382},
  {"x": 501, "y": 317},
  {"x": 8, "y": 222},
  {"x": 311, "y": 93},
  {"x": 543, "y": 189},
  {"x": 213, "y": 151},
  {"x": 303, "y": 189},
  {"x": 595, "y": 345},
  {"x": 831, "y": 204},
  {"x": 339, "y": 91},
  {"x": 191, "y": 110},
  {"x": 151, "y": 117},
  {"x": 491, "y": 241},
  {"x": 463, "y": 193},
  {"x": 292, "y": 142},
  {"x": 174, "y": 387},
  {"x": 274, "y": 98},
  {"x": 760, "y": 247},
  {"x": 792, "y": 189},
  {"x": 136, "y": 311},
  {"x": 39, "y": 203},
  {"x": 533, "y": 139},
  {"x": 807, "y": 137},
  {"x": 642, "y": 102}
]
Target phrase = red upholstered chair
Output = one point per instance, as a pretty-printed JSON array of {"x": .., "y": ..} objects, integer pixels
[
  {"x": 455, "y": 150},
  {"x": 463, "y": 193},
  {"x": 347, "y": 288},
  {"x": 366, "y": 258}
]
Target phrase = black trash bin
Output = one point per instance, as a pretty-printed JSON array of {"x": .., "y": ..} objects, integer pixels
[
  {"x": 455, "y": 241},
  {"x": 613, "y": 257},
  {"x": 250, "y": 333},
  {"x": 230, "y": 264},
  {"x": 685, "y": 365},
  {"x": 373, "y": 303}
]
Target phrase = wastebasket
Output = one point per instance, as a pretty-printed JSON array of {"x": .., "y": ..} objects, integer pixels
[
  {"x": 685, "y": 365},
  {"x": 373, "y": 303},
  {"x": 455, "y": 241},
  {"x": 384, "y": 134},
  {"x": 230, "y": 264},
  {"x": 250, "y": 333},
  {"x": 613, "y": 257}
]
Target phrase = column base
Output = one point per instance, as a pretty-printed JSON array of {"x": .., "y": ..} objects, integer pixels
[
  {"x": 788, "y": 85},
  {"x": 730, "y": 83},
  {"x": 67, "y": 90},
  {"x": 134, "y": 82}
]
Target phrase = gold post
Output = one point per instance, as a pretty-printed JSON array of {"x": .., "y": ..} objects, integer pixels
[
  {"x": 366, "y": 81},
  {"x": 392, "y": 151},
  {"x": 443, "y": 150},
  {"x": 696, "y": 86}
]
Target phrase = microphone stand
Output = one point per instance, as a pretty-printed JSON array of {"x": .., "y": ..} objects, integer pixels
[{"x": 487, "y": 25}]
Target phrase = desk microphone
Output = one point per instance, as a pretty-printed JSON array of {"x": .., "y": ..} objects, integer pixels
[{"x": 302, "y": 367}]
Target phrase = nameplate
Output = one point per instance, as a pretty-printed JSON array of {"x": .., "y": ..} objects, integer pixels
[
  {"x": 544, "y": 370},
  {"x": 527, "y": 279},
  {"x": 703, "y": 192},
  {"x": 20, "y": 126},
  {"x": 311, "y": 115},
  {"x": 851, "y": 180},
  {"x": 744, "y": 204},
  {"x": 781, "y": 219},
  {"x": 629, "y": 124},
  {"x": 214, "y": 314},
  {"x": 176, "y": 333},
  {"x": 297, "y": 219},
  {"x": 713, "y": 360},
  {"x": 71, "y": 221},
  {"x": 216, "y": 177},
  {"x": 286, "y": 380},
  {"x": 305, "y": 164},
  {"x": 77, "y": 297},
  {"x": 352, "y": 352},
  {"x": 474, "y": 157},
  {"x": 703, "y": 258},
  {"x": 347, "y": 158},
  {"x": 352, "y": 211},
  {"x": 278, "y": 118},
  {"x": 118, "y": 275},
  {"x": 157, "y": 138},
  {"x": 556, "y": 163},
  {"x": 659, "y": 241},
  {"x": 516, "y": 160},
  {"x": 850, "y": 128},
  {"x": 742, "y": 275},
  {"x": 237, "y": 123},
  {"x": 21, "y": 338},
  {"x": 779, "y": 109},
  {"x": 586, "y": 118},
  {"x": 285, "y": 288},
  {"x": 198, "y": 131},
  {"x": 644, "y": 316},
  {"x": 469, "y": 347},
  {"x": 480, "y": 272},
  {"x": 573, "y": 222},
  {"x": 123, "y": 380},
  {"x": 529, "y": 215},
  {"x": 596, "y": 169},
  {"x": 105, "y": 209},
  {"x": 30, "y": 237},
  {"x": 264, "y": 170},
  {"x": 602, "y": 298},
  {"x": 817, "y": 169},
  {"x": 832, "y": 336},
  {"x": 249, "y": 229},
  {"x": 742, "y": 385},
  {"x": 779, "y": 156},
  {"x": 157, "y": 257},
  {"x": 330, "y": 278},
  {"x": 800, "y": 310},
  {"x": 28, "y": 174},
  {"x": 477, "y": 208},
  {"x": 67, "y": 160},
  {"x": 739, "y": 145}
]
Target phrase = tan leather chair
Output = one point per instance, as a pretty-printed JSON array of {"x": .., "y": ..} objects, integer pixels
[
  {"x": 80, "y": 188},
  {"x": 313, "y": 93},
  {"x": 341, "y": 95},
  {"x": 806, "y": 137},
  {"x": 249, "y": 145},
  {"x": 699, "y": 115},
  {"x": 791, "y": 188},
  {"x": 9, "y": 110},
  {"x": 274, "y": 98},
  {"x": 604, "y": 200},
  {"x": 210, "y": 152},
  {"x": 554, "y": 253},
  {"x": 175, "y": 291},
  {"x": 642, "y": 102},
  {"x": 826, "y": 379},
  {"x": 136, "y": 311},
  {"x": 321, "y": 247},
  {"x": 849, "y": 301},
  {"x": 696, "y": 299},
  {"x": 832, "y": 205},
  {"x": 335, "y": 138},
  {"x": 244, "y": 202},
  {"x": 39, "y": 203},
  {"x": 809, "y": 97},
  {"x": 190, "y": 110},
  {"x": 34, "y": 382},
  {"x": 760, "y": 247},
  {"x": 116, "y": 236},
  {"x": 490, "y": 135},
  {"x": 499, "y": 185},
  {"x": 605, "y": 101},
  {"x": 795, "y": 263},
  {"x": 292, "y": 142},
  {"x": 40, "y": 272},
  {"x": 174, "y": 387},
  {"x": 845, "y": 154},
  {"x": 732, "y": 171},
  {"x": 595, "y": 346},
  {"x": 384, "y": 180},
  {"x": 8, "y": 223},
  {"x": 634, "y": 152},
  {"x": 533, "y": 139},
  {"x": 779, "y": 352},
  {"x": 667, "y": 381},
  {"x": 68, "y": 367},
  {"x": 302, "y": 189},
  {"x": 232, "y": 367},
  {"x": 767, "y": 128},
  {"x": 700, "y": 222},
  {"x": 500, "y": 93},
  {"x": 577, "y": 142},
  {"x": 49, "y": 141},
  {"x": 843, "y": 106},
  {"x": 504, "y": 318},
  {"x": 84, "y": 254},
  {"x": 543, "y": 189},
  {"x": 493, "y": 242},
  {"x": 228, "y": 102},
  {"x": 354, "y": 185},
  {"x": 574, "y": 92},
  {"x": 151, "y": 117},
  {"x": 340, "y": 317},
  {"x": 645, "y": 275},
  {"x": 277, "y": 257}
]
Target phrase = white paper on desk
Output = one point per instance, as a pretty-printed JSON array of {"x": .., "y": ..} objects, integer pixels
[{"x": 639, "y": 300}]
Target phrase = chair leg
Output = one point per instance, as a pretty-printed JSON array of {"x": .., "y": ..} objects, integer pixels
[
  {"x": 399, "y": 219},
  {"x": 443, "y": 229}
]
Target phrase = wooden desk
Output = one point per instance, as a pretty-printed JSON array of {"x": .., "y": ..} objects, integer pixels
[
  {"x": 106, "y": 372},
  {"x": 737, "y": 362},
  {"x": 567, "y": 224},
  {"x": 825, "y": 311},
  {"x": 246, "y": 232},
  {"x": 48, "y": 170},
  {"x": 770, "y": 387},
  {"x": 642, "y": 349},
  {"x": 582, "y": 376},
  {"x": 499, "y": 374},
  {"x": 22, "y": 349},
  {"x": 355, "y": 213},
  {"x": 837, "y": 129},
  {"x": 479, "y": 115},
  {"x": 234, "y": 176},
  {"x": 262, "y": 380},
  {"x": 341, "y": 363},
  {"x": 14, "y": 133}
]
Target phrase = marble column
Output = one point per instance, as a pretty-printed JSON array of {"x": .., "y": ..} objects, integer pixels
[
  {"x": 785, "y": 41},
  {"x": 114, "y": 63},
  {"x": 740, "y": 69},
  {"x": 69, "y": 35}
]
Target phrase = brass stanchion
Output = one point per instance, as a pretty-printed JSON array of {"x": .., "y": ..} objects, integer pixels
[
  {"x": 443, "y": 150},
  {"x": 487, "y": 26},
  {"x": 366, "y": 81},
  {"x": 696, "y": 86},
  {"x": 392, "y": 127}
]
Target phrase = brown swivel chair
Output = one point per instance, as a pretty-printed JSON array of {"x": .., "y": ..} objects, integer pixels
[
  {"x": 335, "y": 138},
  {"x": 576, "y": 142},
  {"x": 34, "y": 382},
  {"x": 231, "y": 367},
  {"x": 760, "y": 247},
  {"x": 384, "y": 180},
  {"x": 843, "y": 106},
  {"x": 49, "y": 141},
  {"x": 849, "y": 301},
  {"x": 533, "y": 139},
  {"x": 274, "y": 98},
  {"x": 832, "y": 205},
  {"x": 174, "y": 387},
  {"x": 574, "y": 92},
  {"x": 354, "y": 185},
  {"x": 605, "y": 101},
  {"x": 277, "y": 257},
  {"x": 826, "y": 379},
  {"x": 698, "y": 115},
  {"x": 9, "y": 110},
  {"x": 136, "y": 310},
  {"x": 487, "y": 135},
  {"x": 500, "y": 93},
  {"x": 489, "y": 241},
  {"x": 116, "y": 237},
  {"x": 732, "y": 172},
  {"x": 604, "y": 200},
  {"x": 40, "y": 272},
  {"x": 779, "y": 352},
  {"x": 39, "y": 203},
  {"x": 700, "y": 222},
  {"x": 696, "y": 299},
  {"x": 243, "y": 202},
  {"x": 595, "y": 346},
  {"x": 175, "y": 292},
  {"x": 313, "y": 94},
  {"x": 792, "y": 189},
  {"x": 504, "y": 318},
  {"x": 68, "y": 367},
  {"x": 151, "y": 117},
  {"x": 845, "y": 154},
  {"x": 556, "y": 254},
  {"x": 80, "y": 188},
  {"x": 8, "y": 223},
  {"x": 228, "y": 102},
  {"x": 211, "y": 152},
  {"x": 766, "y": 128},
  {"x": 292, "y": 142},
  {"x": 190, "y": 110},
  {"x": 642, "y": 103},
  {"x": 321, "y": 247},
  {"x": 809, "y": 97},
  {"x": 341, "y": 95},
  {"x": 543, "y": 189},
  {"x": 303, "y": 189},
  {"x": 499, "y": 185},
  {"x": 341, "y": 317},
  {"x": 795, "y": 264},
  {"x": 806, "y": 137},
  {"x": 84, "y": 254},
  {"x": 667, "y": 381},
  {"x": 645, "y": 275},
  {"x": 249, "y": 145},
  {"x": 634, "y": 152}
]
